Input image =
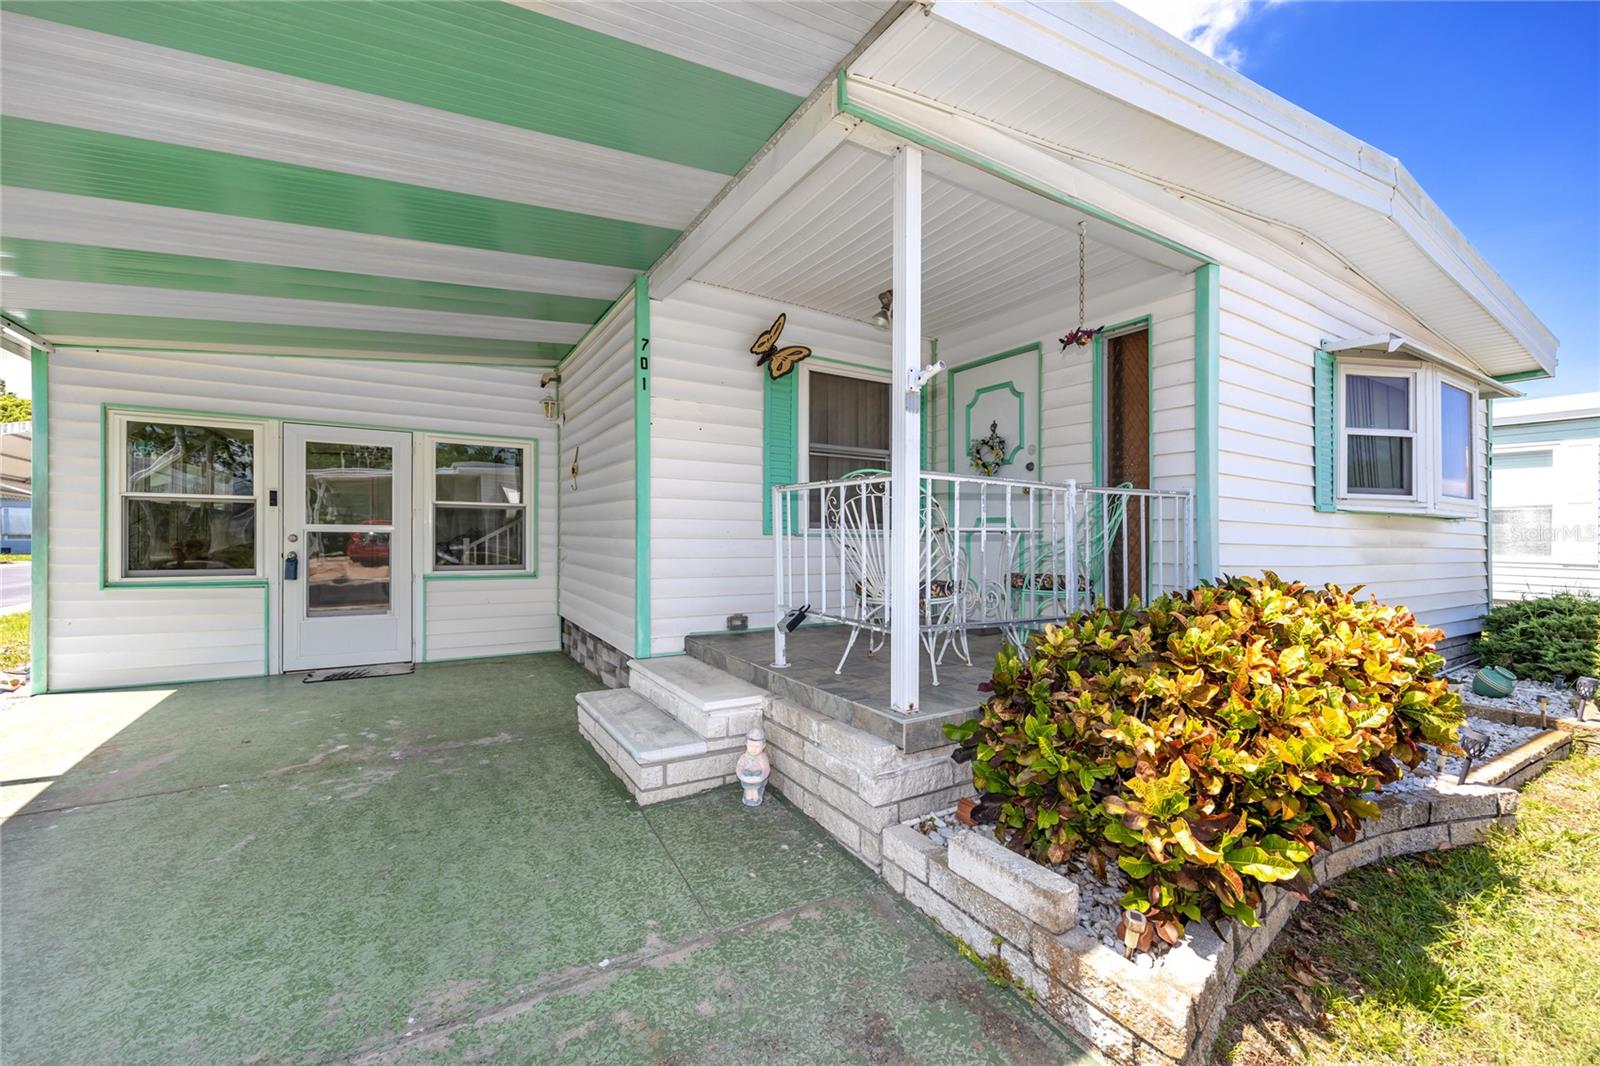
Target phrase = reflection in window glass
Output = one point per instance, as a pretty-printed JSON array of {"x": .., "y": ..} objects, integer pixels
[
  {"x": 479, "y": 536},
  {"x": 1455, "y": 442},
  {"x": 347, "y": 573},
  {"x": 480, "y": 513},
  {"x": 164, "y": 536},
  {"x": 349, "y": 484},
  {"x": 1373, "y": 402},
  {"x": 173, "y": 460},
  {"x": 477, "y": 473}
]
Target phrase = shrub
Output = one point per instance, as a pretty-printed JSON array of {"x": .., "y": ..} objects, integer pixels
[
  {"x": 1209, "y": 743},
  {"x": 1554, "y": 638}
]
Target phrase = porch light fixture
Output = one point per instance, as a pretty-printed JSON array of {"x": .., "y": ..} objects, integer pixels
[{"x": 885, "y": 313}]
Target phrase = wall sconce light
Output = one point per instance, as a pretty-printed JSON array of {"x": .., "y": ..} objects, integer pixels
[
  {"x": 885, "y": 313},
  {"x": 552, "y": 409}
]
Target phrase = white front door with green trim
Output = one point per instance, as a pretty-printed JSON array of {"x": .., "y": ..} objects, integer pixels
[
  {"x": 998, "y": 394},
  {"x": 997, "y": 397},
  {"x": 347, "y": 547}
]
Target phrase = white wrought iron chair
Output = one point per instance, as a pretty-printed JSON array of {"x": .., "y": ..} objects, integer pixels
[
  {"x": 1044, "y": 583},
  {"x": 856, "y": 519}
]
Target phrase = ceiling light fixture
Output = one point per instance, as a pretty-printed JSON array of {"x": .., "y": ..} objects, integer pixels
[{"x": 885, "y": 312}]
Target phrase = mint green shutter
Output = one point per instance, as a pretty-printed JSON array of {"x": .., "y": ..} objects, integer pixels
[
  {"x": 1327, "y": 435},
  {"x": 780, "y": 445}
]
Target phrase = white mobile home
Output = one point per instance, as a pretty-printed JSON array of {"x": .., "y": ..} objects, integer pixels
[
  {"x": 1546, "y": 503},
  {"x": 330, "y": 365}
]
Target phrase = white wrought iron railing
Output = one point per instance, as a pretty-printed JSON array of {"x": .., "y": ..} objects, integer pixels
[{"x": 994, "y": 553}]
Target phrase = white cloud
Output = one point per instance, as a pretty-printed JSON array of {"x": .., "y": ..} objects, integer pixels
[{"x": 1205, "y": 24}]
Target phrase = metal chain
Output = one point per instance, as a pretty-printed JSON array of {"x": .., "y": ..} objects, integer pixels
[{"x": 1082, "y": 227}]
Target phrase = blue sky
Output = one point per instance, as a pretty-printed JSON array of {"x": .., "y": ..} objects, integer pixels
[{"x": 1493, "y": 107}]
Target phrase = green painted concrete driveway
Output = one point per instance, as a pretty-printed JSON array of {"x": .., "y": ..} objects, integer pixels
[{"x": 436, "y": 868}]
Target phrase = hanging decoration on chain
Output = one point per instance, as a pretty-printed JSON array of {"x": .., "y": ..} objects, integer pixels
[
  {"x": 989, "y": 454},
  {"x": 1083, "y": 334}
]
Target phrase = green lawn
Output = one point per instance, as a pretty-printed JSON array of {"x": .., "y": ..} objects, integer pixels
[
  {"x": 13, "y": 639},
  {"x": 1479, "y": 955},
  {"x": 9, "y": 558}
]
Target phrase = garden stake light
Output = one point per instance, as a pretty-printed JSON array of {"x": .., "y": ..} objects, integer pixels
[
  {"x": 1544, "y": 712},
  {"x": 1585, "y": 688},
  {"x": 1474, "y": 744},
  {"x": 1133, "y": 927}
]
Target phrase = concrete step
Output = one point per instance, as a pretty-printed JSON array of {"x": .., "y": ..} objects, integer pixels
[
  {"x": 646, "y": 732},
  {"x": 711, "y": 702},
  {"x": 655, "y": 755}
]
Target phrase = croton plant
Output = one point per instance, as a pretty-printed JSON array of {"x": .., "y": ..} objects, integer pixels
[{"x": 1208, "y": 743}]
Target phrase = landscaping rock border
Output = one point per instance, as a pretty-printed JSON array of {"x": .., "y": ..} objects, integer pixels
[{"x": 1169, "y": 1010}]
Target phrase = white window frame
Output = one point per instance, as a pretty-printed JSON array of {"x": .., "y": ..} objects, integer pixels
[
  {"x": 805, "y": 371},
  {"x": 115, "y": 553},
  {"x": 1413, "y": 387},
  {"x": 529, "y": 505},
  {"x": 1426, "y": 433}
]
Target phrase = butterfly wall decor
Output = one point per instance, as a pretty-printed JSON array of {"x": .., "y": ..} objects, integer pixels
[{"x": 778, "y": 361}]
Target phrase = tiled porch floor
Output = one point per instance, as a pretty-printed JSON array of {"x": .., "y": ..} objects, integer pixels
[{"x": 436, "y": 868}]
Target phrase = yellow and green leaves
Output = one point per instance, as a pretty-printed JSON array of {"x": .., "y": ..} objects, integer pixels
[{"x": 1205, "y": 742}]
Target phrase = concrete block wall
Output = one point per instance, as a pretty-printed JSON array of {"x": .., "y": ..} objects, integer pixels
[
  {"x": 853, "y": 784},
  {"x": 1171, "y": 1014}
]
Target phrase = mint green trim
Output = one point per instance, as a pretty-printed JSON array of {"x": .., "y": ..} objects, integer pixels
[
  {"x": 532, "y": 569},
  {"x": 422, "y": 595},
  {"x": 1325, "y": 432},
  {"x": 39, "y": 573},
  {"x": 495, "y": 62},
  {"x": 900, "y": 129},
  {"x": 780, "y": 437},
  {"x": 354, "y": 355},
  {"x": 1022, "y": 415},
  {"x": 55, "y": 158},
  {"x": 950, "y": 404},
  {"x": 249, "y": 417},
  {"x": 167, "y": 334},
  {"x": 265, "y": 582},
  {"x": 1522, "y": 375},
  {"x": 641, "y": 467},
  {"x": 1097, "y": 416},
  {"x": 1207, "y": 362},
  {"x": 99, "y": 264}
]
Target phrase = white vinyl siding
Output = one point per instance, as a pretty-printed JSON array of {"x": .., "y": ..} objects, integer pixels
[
  {"x": 1554, "y": 469},
  {"x": 597, "y": 506},
  {"x": 132, "y": 636},
  {"x": 1068, "y": 424},
  {"x": 709, "y": 557},
  {"x": 1267, "y": 520}
]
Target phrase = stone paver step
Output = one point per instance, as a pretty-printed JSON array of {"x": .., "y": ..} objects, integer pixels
[
  {"x": 709, "y": 701},
  {"x": 646, "y": 732}
]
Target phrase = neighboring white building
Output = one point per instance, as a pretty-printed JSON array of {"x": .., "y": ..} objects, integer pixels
[
  {"x": 1546, "y": 502},
  {"x": 405, "y": 267}
]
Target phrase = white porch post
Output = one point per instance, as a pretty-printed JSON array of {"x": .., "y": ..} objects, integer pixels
[{"x": 905, "y": 456}]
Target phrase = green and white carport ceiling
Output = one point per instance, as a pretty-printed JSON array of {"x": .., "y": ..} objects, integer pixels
[{"x": 460, "y": 180}]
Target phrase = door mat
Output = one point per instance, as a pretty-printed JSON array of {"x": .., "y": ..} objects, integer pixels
[{"x": 352, "y": 673}]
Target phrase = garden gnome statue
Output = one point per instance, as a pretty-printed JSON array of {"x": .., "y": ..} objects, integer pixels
[{"x": 753, "y": 767}]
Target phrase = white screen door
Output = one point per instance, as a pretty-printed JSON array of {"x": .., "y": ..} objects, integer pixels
[{"x": 347, "y": 547}]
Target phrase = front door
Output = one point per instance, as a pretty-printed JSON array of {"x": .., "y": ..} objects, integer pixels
[
  {"x": 347, "y": 547},
  {"x": 1127, "y": 458},
  {"x": 996, "y": 400}
]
